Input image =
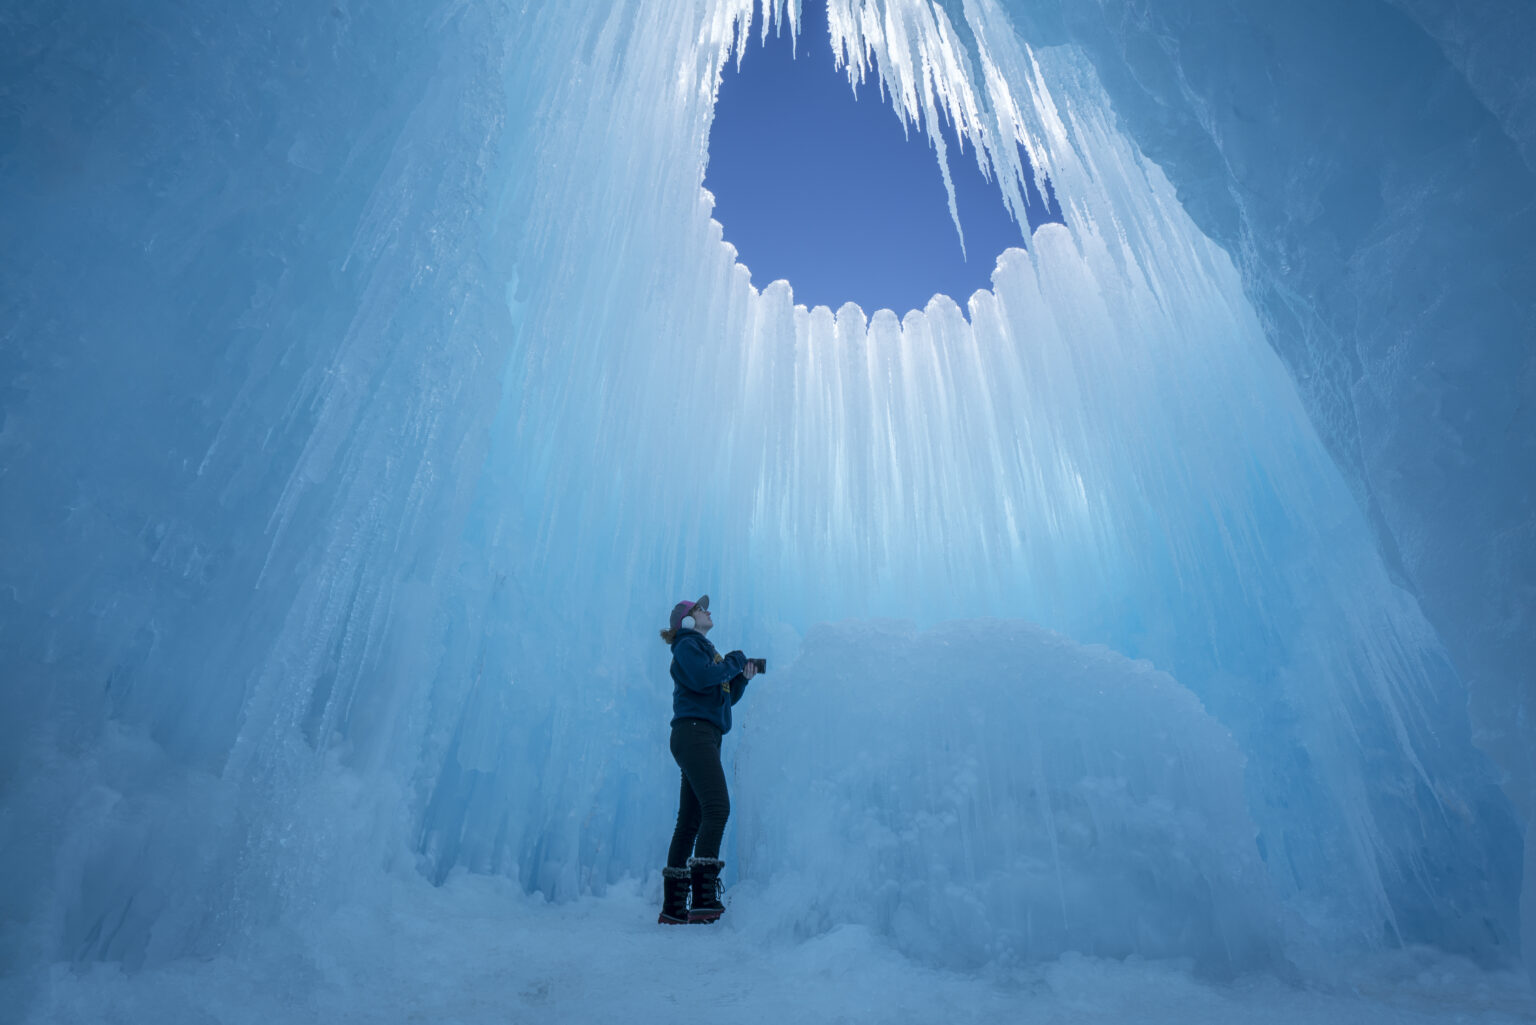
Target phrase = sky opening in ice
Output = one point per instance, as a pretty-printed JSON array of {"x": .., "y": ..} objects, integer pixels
[{"x": 823, "y": 188}]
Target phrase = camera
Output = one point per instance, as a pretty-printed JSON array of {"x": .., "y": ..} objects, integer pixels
[{"x": 760, "y": 663}]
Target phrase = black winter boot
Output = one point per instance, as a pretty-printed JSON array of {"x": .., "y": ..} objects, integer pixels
[
  {"x": 705, "y": 875},
  {"x": 674, "y": 897}
]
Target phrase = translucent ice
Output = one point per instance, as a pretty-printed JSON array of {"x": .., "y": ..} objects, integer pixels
[
  {"x": 986, "y": 790},
  {"x": 1370, "y": 166},
  {"x": 375, "y": 379}
]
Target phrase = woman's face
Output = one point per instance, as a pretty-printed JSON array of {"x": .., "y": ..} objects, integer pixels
[{"x": 701, "y": 620}]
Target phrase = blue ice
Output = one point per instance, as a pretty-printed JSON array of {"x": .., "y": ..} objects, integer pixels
[{"x": 1150, "y": 632}]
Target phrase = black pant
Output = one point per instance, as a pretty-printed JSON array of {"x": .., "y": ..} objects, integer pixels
[{"x": 696, "y": 747}]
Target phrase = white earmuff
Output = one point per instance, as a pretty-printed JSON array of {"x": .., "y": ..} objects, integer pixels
[{"x": 688, "y": 622}]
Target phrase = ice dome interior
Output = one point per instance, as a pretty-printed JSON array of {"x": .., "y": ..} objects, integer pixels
[{"x": 376, "y": 377}]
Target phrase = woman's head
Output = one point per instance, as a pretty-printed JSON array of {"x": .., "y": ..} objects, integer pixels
[{"x": 689, "y": 615}]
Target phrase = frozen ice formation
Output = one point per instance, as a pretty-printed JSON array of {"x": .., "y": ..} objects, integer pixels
[
  {"x": 375, "y": 379},
  {"x": 1117, "y": 826}
]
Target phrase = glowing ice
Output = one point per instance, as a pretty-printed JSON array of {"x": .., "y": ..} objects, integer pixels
[{"x": 415, "y": 383}]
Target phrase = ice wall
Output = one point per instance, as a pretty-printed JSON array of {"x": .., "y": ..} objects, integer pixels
[
  {"x": 251, "y": 331},
  {"x": 1490, "y": 46},
  {"x": 1369, "y": 166},
  {"x": 415, "y": 380}
]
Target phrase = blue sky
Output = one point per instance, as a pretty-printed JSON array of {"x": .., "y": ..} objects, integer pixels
[{"x": 827, "y": 192}]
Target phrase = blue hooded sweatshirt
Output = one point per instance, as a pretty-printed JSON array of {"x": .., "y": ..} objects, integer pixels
[{"x": 704, "y": 684}]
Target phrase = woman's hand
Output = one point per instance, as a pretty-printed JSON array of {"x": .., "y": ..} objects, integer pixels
[{"x": 750, "y": 671}]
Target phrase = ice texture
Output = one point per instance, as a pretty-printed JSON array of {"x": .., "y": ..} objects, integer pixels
[
  {"x": 376, "y": 379},
  {"x": 1118, "y": 826},
  {"x": 1370, "y": 166},
  {"x": 1490, "y": 46},
  {"x": 243, "y": 394}
]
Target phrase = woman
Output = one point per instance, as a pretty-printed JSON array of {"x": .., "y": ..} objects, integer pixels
[{"x": 705, "y": 685}]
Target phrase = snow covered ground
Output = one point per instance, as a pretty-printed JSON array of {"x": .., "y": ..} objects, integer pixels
[{"x": 478, "y": 950}]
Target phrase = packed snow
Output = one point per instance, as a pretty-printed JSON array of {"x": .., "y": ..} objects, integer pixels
[{"x": 480, "y": 950}]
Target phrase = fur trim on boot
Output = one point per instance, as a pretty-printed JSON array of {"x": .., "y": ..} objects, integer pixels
[
  {"x": 704, "y": 873},
  {"x": 674, "y": 896}
]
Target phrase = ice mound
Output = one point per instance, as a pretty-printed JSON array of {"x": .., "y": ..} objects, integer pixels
[{"x": 989, "y": 790}]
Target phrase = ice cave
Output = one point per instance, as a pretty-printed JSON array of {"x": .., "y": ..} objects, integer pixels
[{"x": 1151, "y": 632}]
